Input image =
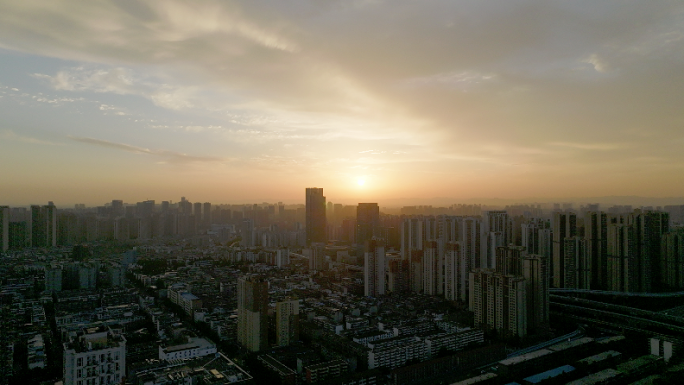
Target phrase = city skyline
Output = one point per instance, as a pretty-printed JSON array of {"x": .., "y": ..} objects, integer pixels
[{"x": 377, "y": 101}]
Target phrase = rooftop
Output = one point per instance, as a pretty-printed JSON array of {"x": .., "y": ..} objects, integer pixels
[
  {"x": 525, "y": 357},
  {"x": 537, "y": 378},
  {"x": 570, "y": 344},
  {"x": 597, "y": 378},
  {"x": 600, "y": 357}
]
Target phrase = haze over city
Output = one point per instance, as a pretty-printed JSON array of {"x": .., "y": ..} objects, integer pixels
[{"x": 401, "y": 101}]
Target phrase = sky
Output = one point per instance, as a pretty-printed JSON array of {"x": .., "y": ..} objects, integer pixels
[{"x": 373, "y": 100}]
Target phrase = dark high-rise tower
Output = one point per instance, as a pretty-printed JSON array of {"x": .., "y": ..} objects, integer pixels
[
  {"x": 4, "y": 228},
  {"x": 315, "y": 215},
  {"x": 564, "y": 226},
  {"x": 596, "y": 234},
  {"x": 367, "y": 221},
  {"x": 43, "y": 226},
  {"x": 252, "y": 299}
]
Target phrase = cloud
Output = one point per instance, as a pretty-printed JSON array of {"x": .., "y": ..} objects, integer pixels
[
  {"x": 590, "y": 146},
  {"x": 170, "y": 156},
  {"x": 599, "y": 64},
  {"x": 485, "y": 82},
  {"x": 11, "y": 135}
]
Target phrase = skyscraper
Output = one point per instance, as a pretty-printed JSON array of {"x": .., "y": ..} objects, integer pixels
[
  {"x": 287, "y": 322},
  {"x": 499, "y": 302},
  {"x": 672, "y": 264},
  {"x": 367, "y": 221},
  {"x": 431, "y": 269},
  {"x": 596, "y": 234},
  {"x": 411, "y": 237},
  {"x": 455, "y": 272},
  {"x": 252, "y": 298},
  {"x": 247, "y": 233},
  {"x": 649, "y": 228},
  {"x": 619, "y": 254},
  {"x": 536, "y": 237},
  {"x": 576, "y": 264},
  {"x": 315, "y": 215},
  {"x": 536, "y": 273},
  {"x": 374, "y": 269},
  {"x": 43, "y": 226},
  {"x": 4, "y": 228},
  {"x": 494, "y": 234},
  {"x": 509, "y": 260},
  {"x": 197, "y": 211},
  {"x": 206, "y": 217},
  {"x": 564, "y": 226}
]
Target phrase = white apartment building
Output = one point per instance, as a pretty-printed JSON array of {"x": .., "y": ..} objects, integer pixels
[{"x": 95, "y": 356}]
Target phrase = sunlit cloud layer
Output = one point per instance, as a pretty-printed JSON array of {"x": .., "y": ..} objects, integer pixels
[{"x": 225, "y": 100}]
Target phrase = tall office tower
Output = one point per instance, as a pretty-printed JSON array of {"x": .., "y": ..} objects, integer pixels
[
  {"x": 430, "y": 229},
  {"x": 317, "y": 260},
  {"x": 514, "y": 232},
  {"x": 620, "y": 257},
  {"x": 536, "y": 237},
  {"x": 499, "y": 302},
  {"x": 95, "y": 355},
  {"x": 472, "y": 246},
  {"x": 416, "y": 271},
  {"x": 596, "y": 234},
  {"x": 338, "y": 213},
  {"x": 509, "y": 260},
  {"x": 252, "y": 298},
  {"x": 247, "y": 232},
  {"x": 329, "y": 212},
  {"x": 287, "y": 322},
  {"x": 53, "y": 278},
  {"x": 431, "y": 269},
  {"x": 576, "y": 264},
  {"x": 67, "y": 228},
  {"x": 197, "y": 211},
  {"x": 4, "y": 228},
  {"x": 398, "y": 275},
  {"x": 37, "y": 230},
  {"x": 206, "y": 217},
  {"x": 145, "y": 208},
  {"x": 411, "y": 236},
  {"x": 536, "y": 273},
  {"x": 87, "y": 276},
  {"x": 494, "y": 234},
  {"x": 315, "y": 215},
  {"x": 649, "y": 227},
  {"x": 672, "y": 264},
  {"x": 477, "y": 298},
  {"x": 455, "y": 273},
  {"x": 184, "y": 207},
  {"x": 564, "y": 226},
  {"x": 165, "y": 207},
  {"x": 282, "y": 257},
  {"x": 374, "y": 269},
  {"x": 51, "y": 224},
  {"x": 43, "y": 226},
  {"x": 117, "y": 208},
  {"x": 367, "y": 222},
  {"x": 450, "y": 228}
]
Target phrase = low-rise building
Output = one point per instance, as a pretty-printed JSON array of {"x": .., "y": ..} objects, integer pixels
[
  {"x": 193, "y": 348},
  {"x": 95, "y": 356},
  {"x": 325, "y": 370}
]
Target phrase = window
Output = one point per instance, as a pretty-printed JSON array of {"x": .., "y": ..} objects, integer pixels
[{"x": 79, "y": 361}]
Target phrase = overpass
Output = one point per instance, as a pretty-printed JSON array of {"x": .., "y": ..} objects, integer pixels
[{"x": 613, "y": 317}]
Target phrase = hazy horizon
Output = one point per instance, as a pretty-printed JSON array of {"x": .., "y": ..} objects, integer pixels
[
  {"x": 372, "y": 100},
  {"x": 604, "y": 202}
]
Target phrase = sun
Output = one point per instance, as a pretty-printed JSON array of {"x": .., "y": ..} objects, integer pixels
[{"x": 361, "y": 182}]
